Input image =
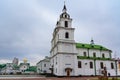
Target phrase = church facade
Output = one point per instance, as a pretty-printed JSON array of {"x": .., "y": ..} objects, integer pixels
[{"x": 69, "y": 58}]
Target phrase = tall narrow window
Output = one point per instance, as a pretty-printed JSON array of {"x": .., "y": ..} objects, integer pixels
[
  {"x": 101, "y": 65},
  {"x": 91, "y": 64},
  {"x": 56, "y": 70},
  {"x": 56, "y": 57},
  {"x": 66, "y": 23},
  {"x": 103, "y": 55},
  {"x": 58, "y": 36},
  {"x": 112, "y": 66},
  {"x": 94, "y": 54},
  {"x": 84, "y": 53},
  {"x": 44, "y": 65},
  {"x": 66, "y": 35},
  {"x": 79, "y": 64}
]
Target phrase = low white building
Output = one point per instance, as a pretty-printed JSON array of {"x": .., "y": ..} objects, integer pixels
[
  {"x": 24, "y": 66},
  {"x": 13, "y": 68},
  {"x": 10, "y": 68},
  {"x": 43, "y": 66}
]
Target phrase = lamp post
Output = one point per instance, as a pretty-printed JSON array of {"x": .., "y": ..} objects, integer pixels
[
  {"x": 116, "y": 66},
  {"x": 95, "y": 66},
  {"x": 105, "y": 73}
]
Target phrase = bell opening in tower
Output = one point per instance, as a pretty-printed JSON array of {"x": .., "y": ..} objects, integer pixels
[{"x": 66, "y": 23}]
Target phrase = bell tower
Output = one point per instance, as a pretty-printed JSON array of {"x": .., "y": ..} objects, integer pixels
[
  {"x": 63, "y": 30},
  {"x": 63, "y": 47}
]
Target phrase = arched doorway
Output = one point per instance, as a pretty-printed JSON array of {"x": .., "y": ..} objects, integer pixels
[{"x": 68, "y": 71}]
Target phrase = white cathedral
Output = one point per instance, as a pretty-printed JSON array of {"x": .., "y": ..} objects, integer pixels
[{"x": 68, "y": 58}]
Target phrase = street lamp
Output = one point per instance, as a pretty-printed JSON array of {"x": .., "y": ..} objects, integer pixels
[{"x": 116, "y": 66}]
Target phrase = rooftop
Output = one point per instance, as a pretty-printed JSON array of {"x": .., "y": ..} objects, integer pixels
[{"x": 91, "y": 46}]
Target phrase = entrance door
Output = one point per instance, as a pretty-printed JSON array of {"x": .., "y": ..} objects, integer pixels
[{"x": 68, "y": 72}]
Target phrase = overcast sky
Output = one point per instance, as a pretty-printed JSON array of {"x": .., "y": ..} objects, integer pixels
[{"x": 26, "y": 26}]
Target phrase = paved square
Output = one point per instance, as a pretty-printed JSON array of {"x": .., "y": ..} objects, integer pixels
[{"x": 53, "y": 78}]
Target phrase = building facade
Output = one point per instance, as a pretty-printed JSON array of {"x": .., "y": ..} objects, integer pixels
[
  {"x": 14, "y": 68},
  {"x": 24, "y": 66},
  {"x": 43, "y": 66},
  {"x": 15, "y": 61},
  {"x": 69, "y": 58}
]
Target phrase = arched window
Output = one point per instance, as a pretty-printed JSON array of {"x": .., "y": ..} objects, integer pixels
[
  {"x": 84, "y": 53},
  {"x": 94, "y": 54},
  {"x": 91, "y": 64},
  {"x": 66, "y": 35},
  {"x": 66, "y": 23},
  {"x": 65, "y": 16},
  {"x": 79, "y": 64},
  {"x": 103, "y": 55},
  {"x": 101, "y": 65},
  {"x": 112, "y": 66}
]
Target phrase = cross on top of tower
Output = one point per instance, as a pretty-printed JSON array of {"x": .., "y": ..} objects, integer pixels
[
  {"x": 64, "y": 8},
  {"x": 64, "y": 12}
]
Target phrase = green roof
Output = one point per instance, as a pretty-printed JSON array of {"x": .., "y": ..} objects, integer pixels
[
  {"x": 16, "y": 66},
  {"x": 32, "y": 68},
  {"x": 91, "y": 46},
  {"x": 2, "y": 65},
  {"x": 24, "y": 64}
]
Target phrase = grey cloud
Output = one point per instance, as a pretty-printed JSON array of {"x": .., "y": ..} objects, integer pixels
[{"x": 26, "y": 26}]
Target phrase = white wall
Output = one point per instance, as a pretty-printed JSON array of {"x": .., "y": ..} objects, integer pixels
[
  {"x": 108, "y": 66},
  {"x": 43, "y": 66},
  {"x": 66, "y": 47},
  {"x": 65, "y": 61},
  {"x": 62, "y": 32},
  {"x": 24, "y": 67},
  {"x": 91, "y": 51},
  {"x": 85, "y": 69},
  {"x": 62, "y": 20}
]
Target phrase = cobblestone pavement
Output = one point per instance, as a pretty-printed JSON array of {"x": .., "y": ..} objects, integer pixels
[{"x": 54, "y": 78}]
